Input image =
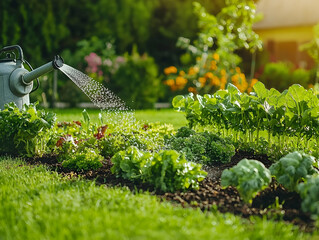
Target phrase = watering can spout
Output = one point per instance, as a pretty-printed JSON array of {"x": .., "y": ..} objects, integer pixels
[
  {"x": 56, "y": 63},
  {"x": 16, "y": 82}
]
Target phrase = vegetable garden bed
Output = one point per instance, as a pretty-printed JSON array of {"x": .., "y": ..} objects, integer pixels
[
  {"x": 274, "y": 202},
  {"x": 220, "y": 162}
]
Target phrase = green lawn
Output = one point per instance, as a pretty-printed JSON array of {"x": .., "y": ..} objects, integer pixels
[
  {"x": 38, "y": 204},
  {"x": 177, "y": 119}
]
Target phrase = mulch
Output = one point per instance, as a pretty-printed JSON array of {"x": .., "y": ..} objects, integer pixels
[{"x": 274, "y": 202}]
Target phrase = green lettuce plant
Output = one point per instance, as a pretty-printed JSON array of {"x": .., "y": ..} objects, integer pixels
[
  {"x": 249, "y": 177},
  {"x": 25, "y": 131},
  {"x": 309, "y": 192},
  {"x": 131, "y": 164},
  {"x": 170, "y": 171},
  {"x": 166, "y": 170},
  {"x": 293, "y": 168},
  {"x": 87, "y": 159}
]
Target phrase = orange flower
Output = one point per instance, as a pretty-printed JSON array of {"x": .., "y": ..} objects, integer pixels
[
  {"x": 215, "y": 81},
  {"x": 216, "y": 56},
  {"x": 213, "y": 65},
  {"x": 235, "y": 78},
  {"x": 193, "y": 70},
  {"x": 192, "y": 89},
  {"x": 170, "y": 70},
  {"x": 209, "y": 75},
  {"x": 310, "y": 85},
  {"x": 223, "y": 72},
  {"x": 181, "y": 73},
  {"x": 223, "y": 80},
  {"x": 253, "y": 82},
  {"x": 174, "y": 88},
  {"x": 202, "y": 81},
  {"x": 181, "y": 81},
  {"x": 169, "y": 82},
  {"x": 238, "y": 69}
]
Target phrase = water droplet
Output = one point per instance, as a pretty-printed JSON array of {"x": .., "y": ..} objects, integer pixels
[{"x": 100, "y": 96}]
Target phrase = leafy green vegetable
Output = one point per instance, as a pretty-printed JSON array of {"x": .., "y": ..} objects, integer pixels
[
  {"x": 87, "y": 159},
  {"x": 309, "y": 192},
  {"x": 293, "y": 168},
  {"x": 288, "y": 118},
  {"x": 146, "y": 137},
  {"x": 170, "y": 171},
  {"x": 248, "y": 176},
  {"x": 24, "y": 132},
  {"x": 166, "y": 170},
  {"x": 203, "y": 147},
  {"x": 131, "y": 164}
]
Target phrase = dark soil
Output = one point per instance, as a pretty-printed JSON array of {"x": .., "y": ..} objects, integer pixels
[{"x": 274, "y": 202}]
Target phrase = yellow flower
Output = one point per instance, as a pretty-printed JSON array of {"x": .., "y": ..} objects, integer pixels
[
  {"x": 238, "y": 69},
  {"x": 216, "y": 56}
]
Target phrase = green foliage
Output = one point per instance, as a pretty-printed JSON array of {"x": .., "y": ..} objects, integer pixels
[
  {"x": 166, "y": 170},
  {"x": 281, "y": 75},
  {"x": 276, "y": 75},
  {"x": 87, "y": 159},
  {"x": 248, "y": 176},
  {"x": 136, "y": 81},
  {"x": 288, "y": 118},
  {"x": 52, "y": 207},
  {"x": 147, "y": 137},
  {"x": 131, "y": 164},
  {"x": 203, "y": 147},
  {"x": 309, "y": 192},
  {"x": 225, "y": 33},
  {"x": 120, "y": 141},
  {"x": 24, "y": 132},
  {"x": 293, "y": 168},
  {"x": 170, "y": 171}
]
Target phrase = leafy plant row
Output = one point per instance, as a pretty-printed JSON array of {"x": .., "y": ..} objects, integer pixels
[
  {"x": 292, "y": 113},
  {"x": 296, "y": 171},
  {"x": 83, "y": 146}
]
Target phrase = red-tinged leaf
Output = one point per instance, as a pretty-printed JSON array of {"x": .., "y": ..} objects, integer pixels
[
  {"x": 78, "y": 123},
  {"x": 100, "y": 132}
]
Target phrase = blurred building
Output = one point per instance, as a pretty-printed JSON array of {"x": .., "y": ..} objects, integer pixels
[{"x": 286, "y": 25}]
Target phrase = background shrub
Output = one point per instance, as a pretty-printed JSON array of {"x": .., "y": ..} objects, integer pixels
[{"x": 136, "y": 81}]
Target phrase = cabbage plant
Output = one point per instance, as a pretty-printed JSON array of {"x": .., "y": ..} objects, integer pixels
[
  {"x": 249, "y": 177},
  {"x": 293, "y": 168}
]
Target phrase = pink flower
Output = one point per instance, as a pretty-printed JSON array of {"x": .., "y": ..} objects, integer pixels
[{"x": 93, "y": 61}]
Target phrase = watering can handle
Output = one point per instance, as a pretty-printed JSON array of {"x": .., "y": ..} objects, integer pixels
[{"x": 12, "y": 48}]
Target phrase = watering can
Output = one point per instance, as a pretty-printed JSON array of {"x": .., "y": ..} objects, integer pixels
[{"x": 16, "y": 82}]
